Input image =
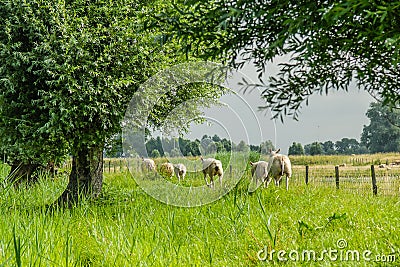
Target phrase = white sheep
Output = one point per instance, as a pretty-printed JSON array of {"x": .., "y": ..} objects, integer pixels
[
  {"x": 148, "y": 164},
  {"x": 260, "y": 170},
  {"x": 212, "y": 167},
  {"x": 167, "y": 169},
  {"x": 180, "y": 171},
  {"x": 278, "y": 166}
]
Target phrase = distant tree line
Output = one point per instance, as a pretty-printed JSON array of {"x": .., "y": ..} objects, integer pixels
[
  {"x": 381, "y": 135},
  {"x": 177, "y": 147},
  {"x": 344, "y": 146}
]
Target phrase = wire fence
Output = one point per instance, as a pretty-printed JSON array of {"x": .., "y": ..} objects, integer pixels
[
  {"x": 377, "y": 179},
  {"x": 380, "y": 179}
]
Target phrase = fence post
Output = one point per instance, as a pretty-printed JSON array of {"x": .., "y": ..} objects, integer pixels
[
  {"x": 337, "y": 176},
  {"x": 109, "y": 166},
  {"x": 374, "y": 186},
  {"x": 307, "y": 174},
  {"x": 230, "y": 169}
]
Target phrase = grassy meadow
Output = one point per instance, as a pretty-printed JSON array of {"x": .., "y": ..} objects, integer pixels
[{"x": 309, "y": 225}]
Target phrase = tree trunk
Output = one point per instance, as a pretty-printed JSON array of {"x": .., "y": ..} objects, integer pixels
[
  {"x": 22, "y": 172},
  {"x": 86, "y": 178}
]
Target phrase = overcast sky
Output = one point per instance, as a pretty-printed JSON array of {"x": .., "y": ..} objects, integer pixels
[{"x": 327, "y": 117}]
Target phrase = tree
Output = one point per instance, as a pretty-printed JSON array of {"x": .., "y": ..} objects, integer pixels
[
  {"x": 227, "y": 144},
  {"x": 347, "y": 146},
  {"x": 26, "y": 33},
  {"x": 154, "y": 144},
  {"x": 383, "y": 133},
  {"x": 242, "y": 147},
  {"x": 329, "y": 147},
  {"x": 68, "y": 72},
  {"x": 175, "y": 152},
  {"x": 255, "y": 148},
  {"x": 193, "y": 148},
  {"x": 266, "y": 146},
  {"x": 330, "y": 44},
  {"x": 211, "y": 148},
  {"x": 296, "y": 149},
  {"x": 216, "y": 138},
  {"x": 113, "y": 146},
  {"x": 314, "y": 148},
  {"x": 155, "y": 153}
]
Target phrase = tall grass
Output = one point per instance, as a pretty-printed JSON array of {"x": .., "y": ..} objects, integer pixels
[{"x": 126, "y": 227}]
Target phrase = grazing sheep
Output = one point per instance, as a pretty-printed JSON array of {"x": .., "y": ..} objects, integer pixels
[
  {"x": 260, "y": 169},
  {"x": 180, "y": 171},
  {"x": 212, "y": 167},
  {"x": 167, "y": 169},
  {"x": 148, "y": 164},
  {"x": 278, "y": 166}
]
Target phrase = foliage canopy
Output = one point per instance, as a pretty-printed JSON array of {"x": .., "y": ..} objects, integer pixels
[{"x": 330, "y": 43}]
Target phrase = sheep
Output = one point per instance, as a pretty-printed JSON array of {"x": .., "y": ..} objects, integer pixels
[
  {"x": 167, "y": 169},
  {"x": 180, "y": 171},
  {"x": 342, "y": 165},
  {"x": 212, "y": 167},
  {"x": 278, "y": 166},
  {"x": 260, "y": 169},
  {"x": 148, "y": 164}
]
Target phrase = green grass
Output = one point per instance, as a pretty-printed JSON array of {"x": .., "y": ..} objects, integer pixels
[{"x": 126, "y": 227}]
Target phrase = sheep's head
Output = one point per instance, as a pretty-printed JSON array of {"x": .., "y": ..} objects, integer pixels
[{"x": 273, "y": 153}]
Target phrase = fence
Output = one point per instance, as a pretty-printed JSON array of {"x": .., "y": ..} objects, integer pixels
[
  {"x": 360, "y": 179},
  {"x": 382, "y": 179}
]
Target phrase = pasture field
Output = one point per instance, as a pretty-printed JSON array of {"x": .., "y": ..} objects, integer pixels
[{"x": 309, "y": 225}]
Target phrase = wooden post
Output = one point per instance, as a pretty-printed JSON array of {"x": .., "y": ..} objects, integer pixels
[
  {"x": 120, "y": 165},
  {"x": 374, "y": 186},
  {"x": 109, "y": 166},
  {"x": 337, "y": 176},
  {"x": 230, "y": 169},
  {"x": 307, "y": 167}
]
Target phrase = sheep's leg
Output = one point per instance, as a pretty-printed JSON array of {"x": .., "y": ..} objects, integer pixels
[
  {"x": 220, "y": 180},
  {"x": 211, "y": 181},
  {"x": 287, "y": 182},
  {"x": 179, "y": 177},
  {"x": 267, "y": 180},
  {"x": 278, "y": 181},
  {"x": 205, "y": 179}
]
